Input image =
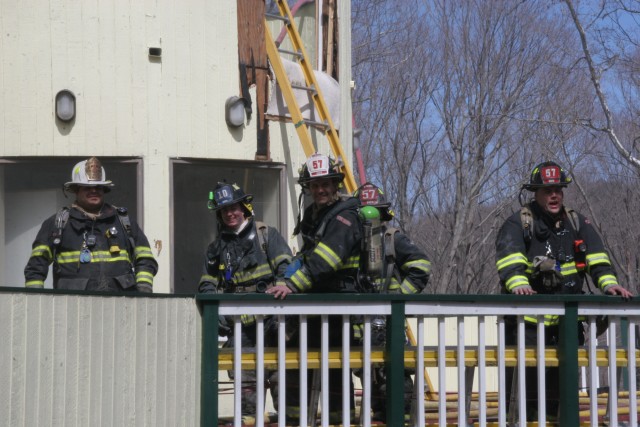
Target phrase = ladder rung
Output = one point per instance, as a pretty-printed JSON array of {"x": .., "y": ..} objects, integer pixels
[
  {"x": 291, "y": 52},
  {"x": 280, "y": 17},
  {"x": 319, "y": 124},
  {"x": 310, "y": 89}
]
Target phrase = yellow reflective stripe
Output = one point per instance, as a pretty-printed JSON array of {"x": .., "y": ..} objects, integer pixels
[
  {"x": 247, "y": 319},
  {"x": 549, "y": 319},
  {"x": 302, "y": 282},
  {"x": 394, "y": 285},
  {"x": 144, "y": 276},
  {"x": 96, "y": 256},
  {"x": 352, "y": 262},
  {"x": 406, "y": 287},
  {"x": 42, "y": 251},
  {"x": 598, "y": 258},
  {"x": 143, "y": 252},
  {"x": 515, "y": 281},
  {"x": 607, "y": 280},
  {"x": 420, "y": 264},
  {"x": 568, "y": 269},
  {"x": 357, "y": 331},
  {"x": 208, "y": 278},
  {"x": 281, "y": 258},
  {"x": 328, "y": 255},
  {"x": 517, "y": 258},
  {"x": 34, "y": 283},
  {"x": 252, "y": 274}
]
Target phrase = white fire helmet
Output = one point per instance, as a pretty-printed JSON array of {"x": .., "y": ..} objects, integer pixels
[{"x": 88, "y": 173}]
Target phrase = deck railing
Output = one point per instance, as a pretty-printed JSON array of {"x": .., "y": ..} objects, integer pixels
[
  {"x": 78, "y": 358},
  {"x": 465, "y": 357}
]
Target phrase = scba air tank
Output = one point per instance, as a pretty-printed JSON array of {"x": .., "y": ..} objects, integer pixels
[{"x": 372, "y": 241}]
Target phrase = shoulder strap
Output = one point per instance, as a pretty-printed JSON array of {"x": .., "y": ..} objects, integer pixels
[
  {"x": 123, "y": 216},
  {"x": 263, "y": 239},
  {"x": 349, "y": 203},
  {"x": 262, "y": 235},
  {"x": 390, "y": 255},
  {"x": 526, "y": 217},
  {"x": 573, "y": 219},
  {"x": 62, "y": 218}
]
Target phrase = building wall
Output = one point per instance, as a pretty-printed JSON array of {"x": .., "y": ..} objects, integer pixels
[
  {"x": 129, "y": 103},
  {"x": 99, "y": 360}
]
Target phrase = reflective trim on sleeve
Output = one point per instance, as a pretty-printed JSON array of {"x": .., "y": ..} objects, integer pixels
[
  {"x": 420, "y": 264},
  {"x": 353, "y": 262},
  {"x": 301, "y": 281},
  {"x": 262, "y": 270},
  {"x": 406, "y": 287},
  {"x": 208, "y": 278},
  {"x": 145, "y": 277},
  {"x": 43, "y": 251},
  {"x": 34, "y": 284},
  {"x": 515, "y": 281},
  {"x": 328, "y": 255},
  {"x": 607, "y": 280},
  {"x": 600, "y": 258},
  {"x": 511, "y": 259},
  {"x": 143, "y": 252}
]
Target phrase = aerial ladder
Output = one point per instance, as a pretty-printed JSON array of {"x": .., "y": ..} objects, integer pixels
[{"x": 302, "y": 125}]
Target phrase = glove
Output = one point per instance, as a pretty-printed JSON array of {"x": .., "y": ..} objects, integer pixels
[
  {"x": 292, "y": 268},
  {"x": 144, "y": 287}
]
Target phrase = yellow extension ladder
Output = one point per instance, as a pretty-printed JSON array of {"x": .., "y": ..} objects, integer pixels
[{"x": 286, "y": 87}]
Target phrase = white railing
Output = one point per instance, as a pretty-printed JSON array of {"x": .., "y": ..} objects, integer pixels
[{"x": 467, "y": 330}]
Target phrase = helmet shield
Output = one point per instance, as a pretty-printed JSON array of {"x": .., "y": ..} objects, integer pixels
[
  {"x": 547, "y": 174},
  {"x": 88, "y": 173},
  {"x": 371, "y": 195},
  {"x": 319, "y": 166}
]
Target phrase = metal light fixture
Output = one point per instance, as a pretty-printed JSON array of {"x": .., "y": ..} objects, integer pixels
[
  {"x": 65, "y": 105},
  {"x": 234, "y": 111}
]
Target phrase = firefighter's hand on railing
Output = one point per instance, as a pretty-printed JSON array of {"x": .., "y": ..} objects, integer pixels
[
  {"x": 523, "y": 290},
  {"x": 619, "y": 290},
  {"x": 280, "y": 290}
]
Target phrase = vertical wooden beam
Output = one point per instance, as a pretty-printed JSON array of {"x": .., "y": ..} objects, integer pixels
[{"x": 252, "y": 58}]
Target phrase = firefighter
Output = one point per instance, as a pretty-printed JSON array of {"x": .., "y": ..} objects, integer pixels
[
  {"x": 400, "y": 268},
  {"x": 547, "y": 248},
  {"x": 93, "y": 245},
  {"x": 327, "y": 263},
  {"x": 247, "y": 256}
]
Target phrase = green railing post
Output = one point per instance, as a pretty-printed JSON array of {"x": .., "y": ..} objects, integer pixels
[
  {"x": 209, "y": 368},
  {"x": 568, "y": 360},
  {"x": 395, "y": 365}
]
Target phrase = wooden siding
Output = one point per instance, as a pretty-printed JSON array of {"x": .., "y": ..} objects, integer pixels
[{"x": 93, "y": 360}]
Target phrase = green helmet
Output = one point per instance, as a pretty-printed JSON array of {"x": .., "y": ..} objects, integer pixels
[
  {"x": 547, "y": 174},
  {"x": 319, "y": 166},
  {"x": 371, "y": 195},
  {"x": 228, "y": 194}
]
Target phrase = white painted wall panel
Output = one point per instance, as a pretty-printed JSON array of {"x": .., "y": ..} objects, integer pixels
[
  {"x": 127, "y": 103},
  {"x": 91, "y": 360}
]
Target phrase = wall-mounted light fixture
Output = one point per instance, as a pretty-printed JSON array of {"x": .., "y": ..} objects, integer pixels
[
  {"x": 65, "y": 105},
  {"x": 234, "y": 111}
]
